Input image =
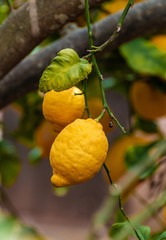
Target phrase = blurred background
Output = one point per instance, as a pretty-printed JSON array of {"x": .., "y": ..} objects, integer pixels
[{"x": 134, "y": 83}]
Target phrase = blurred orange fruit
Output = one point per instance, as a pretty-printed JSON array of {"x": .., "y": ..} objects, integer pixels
[
  {"x": 159, "y": 41},
  {"x": 164, "y": 214},
  {"x": 116, "y": 155},
  {"x": 44, "y": 137},
  {"x": 114, "y": 6},
  {"x": 95, "y": 107},
  {"x": 147, "y": 101}
]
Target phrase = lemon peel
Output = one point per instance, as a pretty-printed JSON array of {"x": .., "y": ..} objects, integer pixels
[
  {"x": 78, "y": 152},
  {"x": 62, "y": 108}
]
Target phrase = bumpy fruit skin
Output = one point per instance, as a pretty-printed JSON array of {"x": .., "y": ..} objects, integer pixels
[
  {"x": 116, "y": 155},
  {"x": 78, "y": 152},
  {"x": 62, "y": 108},
  {"x": 147, "y": 101}
]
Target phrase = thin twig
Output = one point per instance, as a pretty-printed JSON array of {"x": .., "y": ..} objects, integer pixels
[
  {"x": 105, "y": 105},
  {"x": 104, "y": 101},
  {"x": 85, "y": 95},
  {"x": 144, "y": 202},
  {"x": 120, "y": 201},
  {"x": 115, "y": 33}
]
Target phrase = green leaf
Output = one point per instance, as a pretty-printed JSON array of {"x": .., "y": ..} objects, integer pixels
[
  {"x": 6, "y": 227},
  {"x": 138, "y": 155},
  {"x": 144, "y": 232},
  {"x": 61, "y": 192},
  {"x": 134, "y": 155},
  {"x": 162, "y": 236},
  {"x": 116, "y": 227},
  {"x": 65, "y": 71},
  {"x": 4, "y": 11},
  {"x": 119, "y": 216},
  {"x": 144, "y": 57},
  {"x": 12, "y": 229},
  {"x": 31, "y": 116},
  {"x": 9, "y": 163},
  {"x": 147, "y": 126},
  {"x": 110, "y": 83},
  {"x": 35, "y": 155}
]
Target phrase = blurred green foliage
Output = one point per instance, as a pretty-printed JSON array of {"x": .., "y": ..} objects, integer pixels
[
  {"x": 4, "y": 10},
  {"x": 31, "y": 116},
  {"x": 10, "y": 165},
  {"x": 12, "y": 229},
  {"x": 142, "y": 155},
  {"x": 144, "y": 57}
]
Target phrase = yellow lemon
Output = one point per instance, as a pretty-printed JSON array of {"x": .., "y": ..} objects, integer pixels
[
  {"x": 159, "y": 41},
  {"x": 116, "y": 154},
  {"x": 78, "y": 152},
  {"x": 62, "y": 108},
  {"x": 44, "y": 137},
  {"x": 147, "y": 101}
]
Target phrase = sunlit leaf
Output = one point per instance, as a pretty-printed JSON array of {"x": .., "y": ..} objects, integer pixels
[
  {"x": 65, "y": 71},
  {"x": 144, "y": 232},
  {"x": 9, "y": 163},
  {"x": 144, "y": 57}
]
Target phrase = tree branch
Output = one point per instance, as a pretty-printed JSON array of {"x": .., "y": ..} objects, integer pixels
[
  {"x": 144, "y": 18},
  {"x": 18, "y": 35}
]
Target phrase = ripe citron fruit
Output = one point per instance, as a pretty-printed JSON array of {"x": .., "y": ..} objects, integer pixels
[
  {"x": 164, "y": 214},
  {"x": 116, "y": 155},
  {"x": 44, "y": 137},
  {"x": 159, "y": 41},
  {"x": 114, "y": 6},
  {"x": 62, "y": 108},
  {"x": 78, "y": 152},
  {"x": 95, "y": 108},
  {"x": 147, "y": 101}
]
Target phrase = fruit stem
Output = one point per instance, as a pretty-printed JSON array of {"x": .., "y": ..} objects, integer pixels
[
  {"x": 104, "y": 101},
  {"x": 100, "y": 116},
  {"x": 105, "y": 105},
  {"x": 115, "y": 34},
  {"x": 120, "y": 201},
  {"x": 85, "y": 96}
]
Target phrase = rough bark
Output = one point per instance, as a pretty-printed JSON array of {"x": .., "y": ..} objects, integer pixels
[
  {"x": 17, "y": 38},
  {"x": 143, "y": 18}
]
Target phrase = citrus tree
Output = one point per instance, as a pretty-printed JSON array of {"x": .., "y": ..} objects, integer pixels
[{"x": 61, "y": 91}]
